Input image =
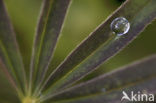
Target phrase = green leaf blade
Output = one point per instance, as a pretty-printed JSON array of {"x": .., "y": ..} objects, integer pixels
[
  {"x": 115, "y": 96},
  {"x": 142, "y": 13},
  {"x": 48, "y": 30},
  {"x": 125, "y": 78},
  {"x": 9, "y": 52}
]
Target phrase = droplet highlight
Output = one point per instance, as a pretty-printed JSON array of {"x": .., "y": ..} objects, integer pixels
[{"x": 120, "y": 26}]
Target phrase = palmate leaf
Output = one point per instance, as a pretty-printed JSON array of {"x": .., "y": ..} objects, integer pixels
[
  {"x": 100, "y": 46},
  {"x": 48, "y": 30},
  {"x": 94, "y": 50},
  {"x": 10, "y": 58},
  {"x": 7, "y": 92},
  {"x": 139, "y": 76}
]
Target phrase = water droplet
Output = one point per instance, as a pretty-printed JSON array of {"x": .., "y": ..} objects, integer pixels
[{"x": 120, "y": 26}]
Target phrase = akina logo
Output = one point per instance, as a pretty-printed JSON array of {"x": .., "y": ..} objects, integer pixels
[{"x": 135, "y": 97}]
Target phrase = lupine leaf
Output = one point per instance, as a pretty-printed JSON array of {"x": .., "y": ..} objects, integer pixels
[
  {"x": 139, "y": 71},
  {"x": 7, "y": 92},
  {"x": 48, "y": 30},
  {"x": 10, "y": 57},
  {"x": 78, "y": 64},
  {"x": 115, "y": 96}
]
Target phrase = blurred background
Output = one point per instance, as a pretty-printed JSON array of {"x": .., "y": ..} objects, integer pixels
[{"x": 83, "y": 17}]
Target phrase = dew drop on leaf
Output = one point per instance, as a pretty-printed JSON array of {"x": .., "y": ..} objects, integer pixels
[{"x": 120, "y": 26}]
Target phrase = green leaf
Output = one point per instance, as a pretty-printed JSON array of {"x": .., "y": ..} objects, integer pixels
[
  {"x": 7, "y": 92},
  {"x": 115, "y": 96},
  {"x": 94, "y": 51},
  {"x": 130, "y": 75},
  {"x": 48, "y": 30},
  {"x": 10, "y": 57}
]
